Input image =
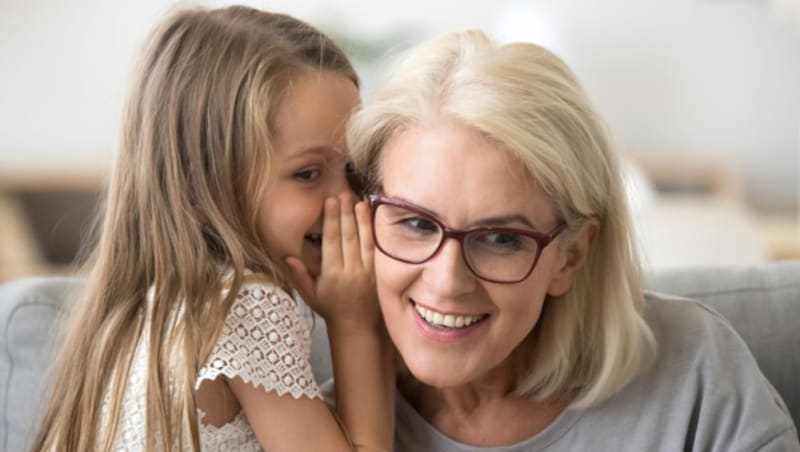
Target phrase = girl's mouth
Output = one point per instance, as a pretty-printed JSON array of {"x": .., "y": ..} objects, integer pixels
[{"x": 314, "y": 239}]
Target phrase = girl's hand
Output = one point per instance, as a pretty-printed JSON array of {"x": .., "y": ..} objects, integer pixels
[{"x": 344, "y": 293}]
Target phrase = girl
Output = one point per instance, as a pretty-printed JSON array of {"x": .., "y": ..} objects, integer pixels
[{"x": 187, "y": 338}]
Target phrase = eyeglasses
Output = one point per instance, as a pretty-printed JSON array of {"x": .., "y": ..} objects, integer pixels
[{"x": 408, "y": 234}]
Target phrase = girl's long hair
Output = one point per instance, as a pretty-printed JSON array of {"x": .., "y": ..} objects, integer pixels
[{"x": 180, "y": 209}]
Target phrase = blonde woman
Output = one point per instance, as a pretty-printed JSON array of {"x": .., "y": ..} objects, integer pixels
[
  {"x": 228, "y": 185},
  {"x": 508, "y": 280}
]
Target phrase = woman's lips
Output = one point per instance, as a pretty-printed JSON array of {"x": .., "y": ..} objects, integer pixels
[
  {"x": 445, "y": 326},
  {"x": 444, "y": 320}
]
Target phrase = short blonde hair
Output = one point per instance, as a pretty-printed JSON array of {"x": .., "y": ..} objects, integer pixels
[{"x": 593, "y": 340}]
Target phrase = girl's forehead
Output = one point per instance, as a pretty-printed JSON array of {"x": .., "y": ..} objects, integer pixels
[{"x": 314, "y": 113}]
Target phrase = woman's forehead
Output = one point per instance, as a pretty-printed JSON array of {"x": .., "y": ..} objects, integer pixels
[{"x": 453, "y": 169}]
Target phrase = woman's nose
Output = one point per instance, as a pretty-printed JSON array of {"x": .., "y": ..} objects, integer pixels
[{"x": 447, "y": 273}]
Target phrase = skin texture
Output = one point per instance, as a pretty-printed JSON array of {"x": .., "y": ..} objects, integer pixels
[{"x": 462, "y": 381}]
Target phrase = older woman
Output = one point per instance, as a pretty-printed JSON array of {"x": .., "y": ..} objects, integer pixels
[{"x": 508, "y": 278}]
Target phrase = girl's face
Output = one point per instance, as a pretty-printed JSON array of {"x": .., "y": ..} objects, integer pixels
[
  {"x": 465, "y": 181},
  {"x": 308, "y": 165}
]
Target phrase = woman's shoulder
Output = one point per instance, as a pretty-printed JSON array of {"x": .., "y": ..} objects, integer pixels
[
  {"x": 677, "y": 319},
  {"x": 696, "y": 342},
  {"x": 688, "y": 330},
  {"x": 705, "y": 381},
  {"x": 704, "y": 389}
]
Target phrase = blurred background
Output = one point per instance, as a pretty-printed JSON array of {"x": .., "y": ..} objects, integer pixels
[{"x": 702, "y": 98}]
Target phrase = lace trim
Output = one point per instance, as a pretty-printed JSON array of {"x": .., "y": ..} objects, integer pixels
[
  {"x": 266, "y": 342},
  {"x": 236, "y": 435}
]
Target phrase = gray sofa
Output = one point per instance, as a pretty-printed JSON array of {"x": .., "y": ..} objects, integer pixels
[{"x": 761, "y": 302}]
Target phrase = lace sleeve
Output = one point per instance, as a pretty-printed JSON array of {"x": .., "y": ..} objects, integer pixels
[{"x": 265, "y": 342}]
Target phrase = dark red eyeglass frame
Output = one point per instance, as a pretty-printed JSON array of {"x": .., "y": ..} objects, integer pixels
[{"x": 542, "y": 239}]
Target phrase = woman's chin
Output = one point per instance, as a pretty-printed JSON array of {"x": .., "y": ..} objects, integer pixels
[{"x": 437, "y": 375}]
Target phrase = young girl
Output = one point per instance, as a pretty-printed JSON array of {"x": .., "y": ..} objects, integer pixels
[{"x": 229, "y": 183}]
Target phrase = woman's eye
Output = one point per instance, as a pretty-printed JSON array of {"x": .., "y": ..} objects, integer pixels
[
  {"x": 502, "y": 240},
  {"x": 307, "y": 175},
  {"x": 420, "y": 224}
]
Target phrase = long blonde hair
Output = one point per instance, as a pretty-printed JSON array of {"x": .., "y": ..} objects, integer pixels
[
  {"x": 180, "y": 207},
  {"x": 593, "y": 340}
]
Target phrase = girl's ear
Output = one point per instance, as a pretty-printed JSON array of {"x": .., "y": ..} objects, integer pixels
[{"x": 572, "y": 259}]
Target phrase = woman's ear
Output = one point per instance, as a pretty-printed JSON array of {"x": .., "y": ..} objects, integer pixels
[{"x": 571, "y": 259}]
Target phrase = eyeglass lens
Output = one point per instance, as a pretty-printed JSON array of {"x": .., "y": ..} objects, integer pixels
[{"x": 412, "y": 237}]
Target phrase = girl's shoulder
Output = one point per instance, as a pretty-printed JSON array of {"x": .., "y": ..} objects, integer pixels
[
  {"x": 260, "y": 299},
  {"x": 257, "y": 285},
  {"x": 265, "y": 340},
  {"x": 261, "y": 281},
  {"x": 259, "y": 291}
]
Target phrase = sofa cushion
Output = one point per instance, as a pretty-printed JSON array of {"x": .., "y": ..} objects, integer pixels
[
  {"x": 28, "y": 312},
  {"x": 762, "y": 303}
]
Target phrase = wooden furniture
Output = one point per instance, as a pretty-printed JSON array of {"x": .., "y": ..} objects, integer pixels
[
  {"x": 44, "y": 214},
  {"x": 781, "y": 233},
  {"x": 699, "y": 216}
]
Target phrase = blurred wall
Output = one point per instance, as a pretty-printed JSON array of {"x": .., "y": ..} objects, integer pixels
[
  {"x": 691, "y": 76},
  {"x": 684, "y": 76}
]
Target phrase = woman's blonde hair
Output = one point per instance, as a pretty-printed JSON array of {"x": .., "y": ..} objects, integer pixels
[
  {"x": 181, "y": 207},
  {"x": 593, "y": 340}
]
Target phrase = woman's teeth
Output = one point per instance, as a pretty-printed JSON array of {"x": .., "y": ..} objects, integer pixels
[{"x": 447, "y": 320}]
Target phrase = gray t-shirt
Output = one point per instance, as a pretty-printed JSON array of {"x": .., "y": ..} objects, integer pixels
[{"x": 704, "y": 393}]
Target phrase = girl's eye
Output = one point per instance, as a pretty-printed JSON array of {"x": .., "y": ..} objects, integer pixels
[{"x": 307, "y": 175}]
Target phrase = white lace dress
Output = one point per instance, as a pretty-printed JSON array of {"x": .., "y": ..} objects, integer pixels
[{"x": 265, "y": 341}]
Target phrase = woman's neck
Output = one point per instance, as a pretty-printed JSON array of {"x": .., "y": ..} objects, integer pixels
[{"x": 485, "y": 414}]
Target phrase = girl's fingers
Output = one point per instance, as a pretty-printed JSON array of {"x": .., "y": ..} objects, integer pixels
[
  {"x": 365, "y": 233},
  {"x": 351, "y": 253},
  {"x": 331, "y": 235}
]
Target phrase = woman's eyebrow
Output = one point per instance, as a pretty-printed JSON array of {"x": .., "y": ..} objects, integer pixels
[
  {"x": 416, "y": 206},
  {"x": 504, "y": 220},
  {"x": 501, "y": 220}
]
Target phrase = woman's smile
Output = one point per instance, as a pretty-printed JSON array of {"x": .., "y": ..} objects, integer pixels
[{"x": 445, "y": 326}]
